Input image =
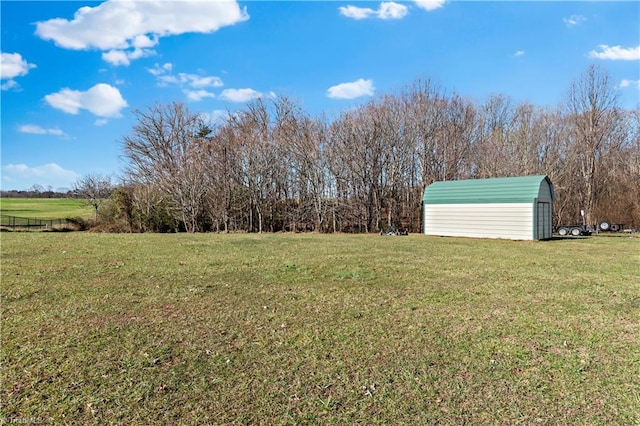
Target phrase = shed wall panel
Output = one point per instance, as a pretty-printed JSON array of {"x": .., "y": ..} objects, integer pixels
[
  {"x": 496, "y": 220},
  {"x": 543, "y": 221},
  {"x": 544, "y": 194}
]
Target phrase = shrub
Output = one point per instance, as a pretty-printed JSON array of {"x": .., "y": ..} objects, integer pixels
[{"x": 77, "y": 223}]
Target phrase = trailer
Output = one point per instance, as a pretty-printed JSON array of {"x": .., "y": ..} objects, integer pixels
[
  {"x": 574, "y": 230},
  {"x": 607, "y": 226},
  {"x": 585, "y": 230}
]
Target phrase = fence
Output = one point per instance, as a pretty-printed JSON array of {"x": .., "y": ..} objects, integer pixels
[{"x": 14, "y": 222}]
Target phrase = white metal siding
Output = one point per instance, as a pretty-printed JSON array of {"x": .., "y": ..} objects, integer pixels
[{"x": 509, "y": 220}]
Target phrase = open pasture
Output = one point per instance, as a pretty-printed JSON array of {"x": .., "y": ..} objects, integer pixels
[
  {"x": 319, "y": 329},
  {"x": 45, "y": 208}
]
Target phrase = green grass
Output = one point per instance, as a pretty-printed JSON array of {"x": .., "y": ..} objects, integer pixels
[
  {"x": 319, "y": 329},
  {"x": 45, "y": 208}
]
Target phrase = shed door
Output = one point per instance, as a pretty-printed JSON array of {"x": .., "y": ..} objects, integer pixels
[{"x": 543, "y": 218}]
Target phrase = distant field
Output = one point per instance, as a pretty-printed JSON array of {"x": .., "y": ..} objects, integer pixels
[
  {"x": 45, "y": 208},
  {"x": 319, "y": 329}
]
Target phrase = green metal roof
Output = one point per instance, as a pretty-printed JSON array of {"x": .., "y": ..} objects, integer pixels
[{"x": 521, "y": 189}]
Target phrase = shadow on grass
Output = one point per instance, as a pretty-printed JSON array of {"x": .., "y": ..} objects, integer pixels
[{"x": 568, "y": 237}]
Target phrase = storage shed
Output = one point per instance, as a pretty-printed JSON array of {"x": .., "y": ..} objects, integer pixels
[{"x": 516, "y": 208}]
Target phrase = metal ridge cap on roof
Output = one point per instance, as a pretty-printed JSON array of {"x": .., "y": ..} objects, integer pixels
[{"x": 483, "y": 181}]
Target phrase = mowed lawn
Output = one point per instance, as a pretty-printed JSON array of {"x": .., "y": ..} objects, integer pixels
[
  {"x": 319, "y": 329},
  {"x": 45, "y": 208}
]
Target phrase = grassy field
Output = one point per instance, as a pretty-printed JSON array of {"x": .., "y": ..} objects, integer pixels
[
  {"x": 319, "y": 329},
  {"x": 45, "y": 208}
]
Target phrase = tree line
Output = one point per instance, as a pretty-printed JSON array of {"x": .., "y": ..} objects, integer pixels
[
  {"x": 273, "y": 167},
  {"x": 37, "y": 191}
]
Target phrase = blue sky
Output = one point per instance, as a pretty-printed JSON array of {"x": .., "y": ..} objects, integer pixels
[{"x": 73, "y": 72}]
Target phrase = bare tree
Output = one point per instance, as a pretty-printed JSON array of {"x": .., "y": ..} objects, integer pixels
[
  {"x": 619, "y": 200},
  {"x": 423, "y": 105},
  {"x": 95, "y": 189},
  {"x": 596, "y": 118},
  {"x": 554, "y": 146},
  {"x": 256, "y": 159},
  {"x": 151, "y": 209},
  {"x": 357, "y": 154},
  {"x": 493, "y": 150},
  {"x": 301, "y": 143},
  {"x": 221, "y": 168},
  {"x": 457, "y": 138},
  {"x": 165, "y": 150}
]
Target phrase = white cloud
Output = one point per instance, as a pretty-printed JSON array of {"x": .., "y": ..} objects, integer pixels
[
  {"x": 116, "y": 57},
  {"x": 9, "y": 84},
  {"x": 142, "y": 41},
  {"x": 574, "y": 20},
  {"x": 161, "y": 69},
  {"x": 355, "y": 89},
  {"x": 133, "y": 27},
  {"x": 123, "y": 57},
  {"x": 387, "y": 10},
  {"x": 242, "y": 95},
  {"x": 519, "y": 53},
  {"x": 12, "y": 65},
  {"x": 101, "y": 100},
  {"x": 356, "y": 12},
  {"x": 616, "y": 53},
  {"x": 197, "y": 81},
  {"x": 430, "y": 5},
  {"x": 21, "y": 176},
  {"x": 193, "y": 85},
  {"x": 34, "y": 129},
  {"x": 198, "y": 95},
  {"x": 217, "y": 116},
  {"x": 391, "y": 10},
  {"x": 630, "y": 83}
]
